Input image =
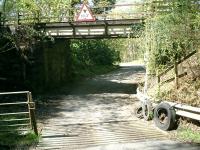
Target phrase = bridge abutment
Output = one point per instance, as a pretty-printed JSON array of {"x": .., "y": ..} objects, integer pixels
[
  {"x": 57, "y": 62},
  {"x": 53, "y": 64}
]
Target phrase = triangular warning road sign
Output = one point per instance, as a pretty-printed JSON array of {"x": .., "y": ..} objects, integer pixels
[{"x": 85, "y": 14}]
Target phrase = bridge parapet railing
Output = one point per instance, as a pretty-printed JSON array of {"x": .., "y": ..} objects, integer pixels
[
  {"x": 120, "y": 16},
  {"x": 110, "y": 12},
  {"x": 18, "y": 116},
  {"x": 69, "y": 15},
  {"x": 12, "y": 20}
]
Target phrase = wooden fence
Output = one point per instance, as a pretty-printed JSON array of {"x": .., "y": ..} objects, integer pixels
[
  {"x": 20, "y": 120},
  {"x": 176, "y": 73}
]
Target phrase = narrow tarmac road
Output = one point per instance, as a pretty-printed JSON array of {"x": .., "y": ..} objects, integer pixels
[{"x": 98, "y": 115}]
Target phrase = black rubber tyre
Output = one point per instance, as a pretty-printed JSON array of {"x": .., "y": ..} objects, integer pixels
[
  {"x": 138, "y": 110},
  {"x": 147, "y": 110},
  {"x": 165, "y": 116}
]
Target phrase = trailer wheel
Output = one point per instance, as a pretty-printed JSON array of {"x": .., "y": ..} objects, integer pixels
[
  {"x": 146, "y": 110},
  {"x": 165, "y": 116},
  {"x": 138, "y": 110}
]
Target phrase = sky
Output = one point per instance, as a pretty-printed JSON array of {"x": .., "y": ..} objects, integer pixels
[
  {"x": 1, "y": 1},
  {"x": 125, "y": 8},
  {"x": 127, "y": 1},
  {"x": 121, "y": 1}
]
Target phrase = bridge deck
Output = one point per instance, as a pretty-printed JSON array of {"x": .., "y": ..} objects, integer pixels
[{"x": 97, "y": 29}]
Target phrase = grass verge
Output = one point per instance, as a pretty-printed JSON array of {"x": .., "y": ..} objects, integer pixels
[
  {"x": 188, "y": 135},
  {"x": 16, "y": 140}
]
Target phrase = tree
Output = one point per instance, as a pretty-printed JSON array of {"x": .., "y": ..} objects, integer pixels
[
  {"x": 103, "y": 2},
  {"x": 172, "y": 33},
  {"x": 54, "y": 10},
  {"x": 94, "y": 52},
  {"x": 103, "y": 5}
]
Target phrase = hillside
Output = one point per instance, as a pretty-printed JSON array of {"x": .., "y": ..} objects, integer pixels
[{"x": 188, "y": 91}]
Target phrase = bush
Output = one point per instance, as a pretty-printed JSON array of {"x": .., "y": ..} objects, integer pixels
[
  {"x": 89, "y": 57},
  {"x": 93, "y": 52}
]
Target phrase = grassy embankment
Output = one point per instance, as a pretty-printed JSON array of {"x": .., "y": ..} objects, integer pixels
[
  {"x": 187, "y": 93},
  {"x": 17, "y": 140},
  {"x": 15, "y": 132}
]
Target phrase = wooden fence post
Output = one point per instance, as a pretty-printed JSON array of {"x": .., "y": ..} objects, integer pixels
[
  {"x": 18, "y": 18},
  {"x": 28, "y": 100},
  {"x": 176, "y": 74},
  {"x": 31, "y": 105},
  {"x": 158, "y": 78},
  {"x": 158, "y": 82}
]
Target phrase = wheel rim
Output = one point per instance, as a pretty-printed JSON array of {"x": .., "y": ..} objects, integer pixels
[
  {"x": 162, "y": 116},
  {"x": 139, "y": 111},
  {"x": 146, "y": 110}
]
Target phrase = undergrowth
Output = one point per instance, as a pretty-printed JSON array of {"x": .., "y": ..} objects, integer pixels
[
  {"x": 187, "y": 93},
  {"x": 17, "y": 140},
  {"x": 188, "y": 135},
  {"x": 188, "y": 130}
]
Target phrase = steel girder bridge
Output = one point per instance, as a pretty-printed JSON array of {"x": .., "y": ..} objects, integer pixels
[
  {"x": 106, "y": 24},
  {"x": 98, "y": 29}
]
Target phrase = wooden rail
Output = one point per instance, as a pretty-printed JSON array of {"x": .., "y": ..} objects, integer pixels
[
  {"x": 173, "y": 78},
  {"x": 19, "y": 120}
]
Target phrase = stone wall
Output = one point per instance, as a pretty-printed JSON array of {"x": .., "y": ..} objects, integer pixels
[
  {"x": 10, "y": 68},
  {"x": 50, "y": 67}
]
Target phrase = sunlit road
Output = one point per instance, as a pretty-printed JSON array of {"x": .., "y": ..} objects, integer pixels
[{"x": 98, "y": 115}]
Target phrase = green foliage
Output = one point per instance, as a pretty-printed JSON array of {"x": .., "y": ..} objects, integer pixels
[
  {"x": 102, "y": 5},
  {"x": 90, "y": 54},
  {"x": 53, "y": 10},
  {"x": 189, "y": 135},
  {"x": 12, "y": 6},
  {"x": 13, "y": 140},
  {"x": 93, "y": 52},
  {"x": 56, "y": 9},
  {"x": 172, "y": 35},
  {"x": 137, "y": 30},
  {"x": 129, "y": 48},
  {"x": 97, "y": 2}
]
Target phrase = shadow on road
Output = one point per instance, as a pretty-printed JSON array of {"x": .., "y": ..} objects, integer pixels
[
  {"x": 98, "y": 86},
  {"x": 101, "y": 93}
]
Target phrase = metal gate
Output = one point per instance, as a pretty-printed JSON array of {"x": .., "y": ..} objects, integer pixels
[{"x": 21, "y": 114}]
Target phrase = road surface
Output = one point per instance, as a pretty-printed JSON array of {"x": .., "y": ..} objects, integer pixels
[{"x": 98, "y": 115}]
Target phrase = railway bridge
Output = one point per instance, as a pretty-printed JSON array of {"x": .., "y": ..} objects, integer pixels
[{"x": 104, "y": 25}]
